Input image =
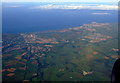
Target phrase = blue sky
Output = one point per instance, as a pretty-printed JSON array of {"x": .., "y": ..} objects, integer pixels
[{"x": 60, "y": 0}]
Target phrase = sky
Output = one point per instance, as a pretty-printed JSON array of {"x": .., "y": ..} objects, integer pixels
[
  {"x": 60, "y": 0},
  {"x": 102, "y": 6}
]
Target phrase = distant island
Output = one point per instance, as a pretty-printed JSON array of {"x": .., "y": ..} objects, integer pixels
[{"x": 84, "y": 53}]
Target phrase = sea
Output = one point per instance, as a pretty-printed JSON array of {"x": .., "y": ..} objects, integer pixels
[{"x": 29, "y": 17}]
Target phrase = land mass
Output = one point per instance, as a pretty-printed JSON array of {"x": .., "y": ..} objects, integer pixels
[{"x": 84, "y": 53}]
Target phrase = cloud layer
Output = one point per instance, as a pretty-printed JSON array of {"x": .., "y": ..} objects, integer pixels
[
  {"x": 100, "y": 13},
  {"x": 81, "y": 6},
  {"x": 13, "y": 6}
]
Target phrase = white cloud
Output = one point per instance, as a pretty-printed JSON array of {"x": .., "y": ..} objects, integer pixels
[
  {"x": 13, "y": 6},
  {"x": 81, "y": 6},
  {"x": 100, "y": 13}
]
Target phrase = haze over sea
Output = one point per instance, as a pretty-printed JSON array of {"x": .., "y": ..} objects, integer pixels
[{"x": 35, "y": 17}]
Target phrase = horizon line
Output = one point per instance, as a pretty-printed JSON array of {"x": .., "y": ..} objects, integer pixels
[{"x": 63, "y": 1}]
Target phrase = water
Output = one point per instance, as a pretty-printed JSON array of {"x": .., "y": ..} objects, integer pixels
[{"x": 25, "y": 19}]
